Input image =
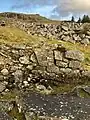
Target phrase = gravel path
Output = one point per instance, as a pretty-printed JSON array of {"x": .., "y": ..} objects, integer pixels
[
  {"x": 71, "y": 107},
  {"x": 4, "y": 116}
]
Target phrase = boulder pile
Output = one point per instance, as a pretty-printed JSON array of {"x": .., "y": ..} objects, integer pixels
[{"x": 66, "y": 31}]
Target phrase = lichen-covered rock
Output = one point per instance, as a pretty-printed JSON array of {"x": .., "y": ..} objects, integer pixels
[
  {"x": 24, "y": 60},
  {"x": 53, "y": 69},
  {"x": 5, "y": 72},
  {"x": 2, "y": 86},
  {"x": 65, "y": 70},
  {"x": 85, "y": 41},
  {"x": 32, "y": 58},
  {"x": 86, "y": 74},
  {"x": 58, "y": 55},
  {"x": 74, "y": 64},
  {"x": 61, "y": 64},
  {"x": 18, "y": 76},
  {"x": 41, "y": 57},
  {"x": 74, "y": 55},
  {"x": 65, "y": 28}
]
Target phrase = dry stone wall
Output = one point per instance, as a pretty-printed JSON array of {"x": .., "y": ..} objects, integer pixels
[
  {"x": 22, "y": 65},
  {"x": 66, "y": 31}
]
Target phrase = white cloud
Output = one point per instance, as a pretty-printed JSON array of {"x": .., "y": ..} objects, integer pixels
[
  {"x": 64, "y": 8},
  {"x": 75, "y": 7}
]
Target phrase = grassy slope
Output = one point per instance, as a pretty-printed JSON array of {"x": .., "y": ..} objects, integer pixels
[{"x": 16, "y": 36}]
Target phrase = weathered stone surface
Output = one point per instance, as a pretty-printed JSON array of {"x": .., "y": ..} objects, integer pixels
[
  {"x": 65, "y": 28},
  {"x": 30, "y": 67},
  {"x": 24, "y": 60},
  {"x": 41, "y": 57},
  {"x": 48, "y": 62},
  {"x": 67, "y": 31},
  {"x": 18, "y": 76},
  {"x": 74, "y": 64},
  {"x": 5, "y": 106},
  {"x": 66, "y": 71},
  {"x": 86, "y": 73},
  {"x": 32, "y": 58},
  {"x": 2, "y": 86},
  {"x": 58, "y": 55},
  {"x": 85, "y": 41},
  {"x": 61, "y": 64},
  {"x": 67, "y": 38},
  {"x": 5, "y": 72},
  {"x": 52, "y": 68},
  {"x": 75, "y": 55}
]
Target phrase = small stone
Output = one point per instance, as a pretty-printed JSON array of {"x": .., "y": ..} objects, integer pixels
[
  {"x": 32, "y": 58},
  {"x": 58, "y": 55},
  {"x": 61, "y": 64},
  {"x": 18, "y": 76},
  {"x": 30, "y": 67},
  {"x": 85, "y": 41},
  {"x": 41, "y": 87},
  {"x": 65, "y": 70},
  {"x": 25, "y": 83},
  {"x": 65, "y": 28},
  {"x": 67, "y": 38},
  {"x": 2, "y": 86},
  {"x": 74, "y": 64},
  {"x": 24, "y": 60},
  {"x": 4, "y": 72}
]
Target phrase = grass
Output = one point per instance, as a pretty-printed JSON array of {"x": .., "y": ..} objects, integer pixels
[
  {"x": 63, "y": 88},
  {"x": 15, "y": 114},
  {"x": 84, "y": 94},
  {"x": 9, "y": 96}
]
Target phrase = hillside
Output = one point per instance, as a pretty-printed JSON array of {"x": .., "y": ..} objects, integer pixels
[
  {"x": 26, "y": 17},
  {"x": 44, "y": 68},
  {"x": 11, "y": 35}
]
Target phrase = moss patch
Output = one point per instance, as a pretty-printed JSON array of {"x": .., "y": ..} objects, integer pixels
[
  {"x": 9, "y": 95},
  {"x": 83, "y": 93},
  {"x": 63, "y": 88},
  {"x": 14, "y": 113}
]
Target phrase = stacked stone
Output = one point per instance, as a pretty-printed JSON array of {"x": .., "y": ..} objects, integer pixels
[
  {"x": 22, "y": 65},
  {"x": 65, "y": 31}
]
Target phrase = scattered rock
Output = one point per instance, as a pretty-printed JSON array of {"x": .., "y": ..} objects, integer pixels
[
  {"x": 4, "y": 72},
  {"x": 2, "y": 86},
  {"x": 5, "y": 116},
  {"x": 24, "y": 60}
]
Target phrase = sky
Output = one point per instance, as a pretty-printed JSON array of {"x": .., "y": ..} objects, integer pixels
[{"x": 54, "y": 9}]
